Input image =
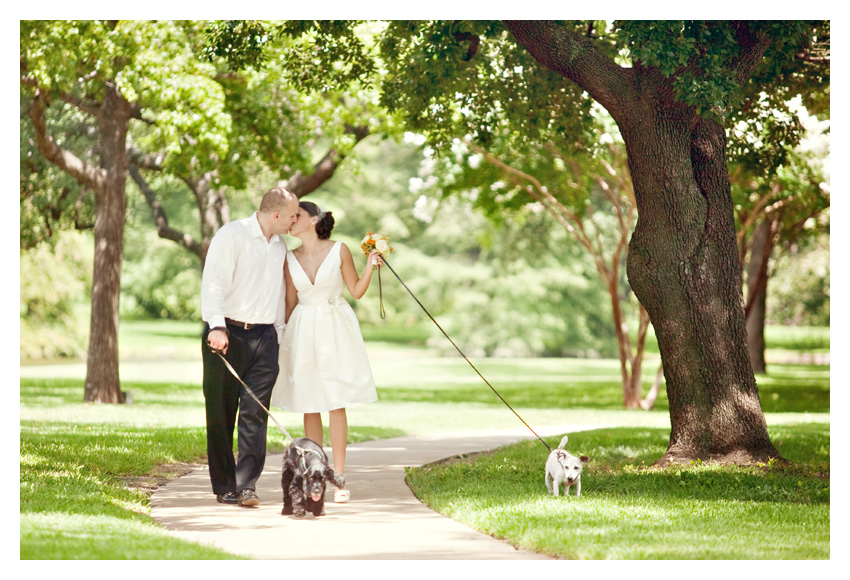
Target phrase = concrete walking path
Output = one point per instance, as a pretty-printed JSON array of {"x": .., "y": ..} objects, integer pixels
[{"x": 383, "y": 520}]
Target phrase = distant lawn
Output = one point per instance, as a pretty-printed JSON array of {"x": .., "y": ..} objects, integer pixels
[
  {"x": 798, "y": 338},
  {"x": 629, "y": 511},
  {"x": 808, "y": 339},
  {"x": 580, "y": 383}
]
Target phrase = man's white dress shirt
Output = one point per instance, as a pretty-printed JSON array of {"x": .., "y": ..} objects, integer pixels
[{"x": 243, "y": 276}]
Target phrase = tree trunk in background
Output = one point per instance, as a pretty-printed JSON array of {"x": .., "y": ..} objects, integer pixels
[
  {"x": 107, "y": 182},
  {"x": 762, "y": 246},
  {"x": 102, "y": 384}
]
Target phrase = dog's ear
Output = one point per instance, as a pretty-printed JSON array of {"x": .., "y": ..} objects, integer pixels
[{"x": 584, "y": 458}]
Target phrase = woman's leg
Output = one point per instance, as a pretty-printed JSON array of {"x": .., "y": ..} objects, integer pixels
[
  {"x": 338, "y": 429},
  {"x": 313, "y": 427}
]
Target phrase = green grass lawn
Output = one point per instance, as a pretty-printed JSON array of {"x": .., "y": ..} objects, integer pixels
[
  {"x": 86, "y": 469},
  {"x": 86, "y": 483},
  {"x": 629, "y": 510}
]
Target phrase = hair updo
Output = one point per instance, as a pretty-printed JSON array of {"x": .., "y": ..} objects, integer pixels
[{"x": 325, "y": 225}]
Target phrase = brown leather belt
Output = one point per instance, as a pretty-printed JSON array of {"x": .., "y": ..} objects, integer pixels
[{"x": 242, "y": 325}]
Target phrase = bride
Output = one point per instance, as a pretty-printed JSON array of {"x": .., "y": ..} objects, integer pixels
[{"x": 323, "y": 362}]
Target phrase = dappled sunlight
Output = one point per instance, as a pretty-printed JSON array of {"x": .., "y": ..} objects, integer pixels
[{"x": 629, "y": 509}]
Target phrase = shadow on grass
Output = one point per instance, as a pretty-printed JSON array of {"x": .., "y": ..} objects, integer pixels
[
  {"x": 628, "y": 510},
  {"x": 620, "y": 467}
]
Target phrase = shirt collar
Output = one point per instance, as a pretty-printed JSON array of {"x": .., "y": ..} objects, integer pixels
[{"x": 257, "y": 231}]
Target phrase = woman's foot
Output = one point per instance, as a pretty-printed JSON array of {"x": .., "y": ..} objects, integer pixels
[{"x": 342, "y": 495}]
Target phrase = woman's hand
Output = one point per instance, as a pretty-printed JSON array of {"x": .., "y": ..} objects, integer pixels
[{"x": 375, "y": 259}]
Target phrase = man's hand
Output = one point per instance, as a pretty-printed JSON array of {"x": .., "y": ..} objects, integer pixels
[{"x": 217, "y": 340}]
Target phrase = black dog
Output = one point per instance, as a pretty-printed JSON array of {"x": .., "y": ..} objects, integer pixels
[{"x": 305, "y": 475}]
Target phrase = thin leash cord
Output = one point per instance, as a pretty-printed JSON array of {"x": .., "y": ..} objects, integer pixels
[
  {"x": 381, "y": 295},
  {"x": 463, "y": 355},
  {"x": 250, "y": 392}
]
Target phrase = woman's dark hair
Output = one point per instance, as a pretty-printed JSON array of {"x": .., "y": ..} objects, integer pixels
[{"x": 325, "y": 225}]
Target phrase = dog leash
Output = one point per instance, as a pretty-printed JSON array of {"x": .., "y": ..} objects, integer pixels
[
  {"x": 462, "y": 354},
  {"x": 250, "y": 392}
]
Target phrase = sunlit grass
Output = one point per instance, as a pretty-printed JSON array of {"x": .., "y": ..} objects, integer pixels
[
  {"x": 59, "y": 535},
  {"x": 628, "y": 510},
  {"x": 77, "y": 459},
  {"x": 85, "y": 469}
]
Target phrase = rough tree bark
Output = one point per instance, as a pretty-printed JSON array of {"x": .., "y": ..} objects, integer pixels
[{"x": 683, "y": 260}]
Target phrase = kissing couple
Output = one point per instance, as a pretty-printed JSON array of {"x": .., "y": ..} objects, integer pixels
[{"x": 279, "y": 318}]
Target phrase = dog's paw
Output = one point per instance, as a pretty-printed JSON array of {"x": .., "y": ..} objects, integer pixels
[
  {"x": 300, "y": 513},
  {"x": 286, "y": 511}
]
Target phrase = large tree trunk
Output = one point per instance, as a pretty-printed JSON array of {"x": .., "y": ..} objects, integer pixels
[
  {"x": 102, "y": 384},
  {"x": 684, "y": 268},
  {"x": 683, "y": 262}
]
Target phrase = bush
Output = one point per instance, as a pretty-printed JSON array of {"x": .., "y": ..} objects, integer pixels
[
  {"x": 798, "y": 293},
  {"x": 55, "y": 283},
  {"x": 160, "y": 280}
]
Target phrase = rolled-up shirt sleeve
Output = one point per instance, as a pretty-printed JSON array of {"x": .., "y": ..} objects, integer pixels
[{"x": 217, "y": 278}]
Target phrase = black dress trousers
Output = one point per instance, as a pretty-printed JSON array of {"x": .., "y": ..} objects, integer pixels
[{"x": 253, "y": 354}]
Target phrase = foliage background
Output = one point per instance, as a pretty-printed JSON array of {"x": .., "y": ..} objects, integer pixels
[
  {"x": 521, "y": 287},
  {"x": 511, "y": 284}
]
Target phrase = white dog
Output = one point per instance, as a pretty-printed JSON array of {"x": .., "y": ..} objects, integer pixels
[{"x": 563, "y": 468}]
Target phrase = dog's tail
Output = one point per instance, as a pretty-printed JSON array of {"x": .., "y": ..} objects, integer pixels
[{"x": 563, "y": 442}]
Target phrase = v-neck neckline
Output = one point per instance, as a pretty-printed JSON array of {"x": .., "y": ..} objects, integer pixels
[{"x": 325, "y": 259}]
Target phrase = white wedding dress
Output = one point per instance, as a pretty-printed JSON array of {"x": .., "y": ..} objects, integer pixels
[{"x": 323, "y": 361}]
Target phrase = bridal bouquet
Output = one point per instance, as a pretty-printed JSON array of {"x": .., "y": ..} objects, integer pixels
[
  {"x": 381, "y": 244},
  {"x": 376, "y": 243}
]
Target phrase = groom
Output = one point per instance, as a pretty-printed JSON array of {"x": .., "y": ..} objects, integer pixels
[{"x": 242, "y": 304}]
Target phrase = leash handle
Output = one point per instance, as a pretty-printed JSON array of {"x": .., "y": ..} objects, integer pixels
[{"x": 463, "y": 355}]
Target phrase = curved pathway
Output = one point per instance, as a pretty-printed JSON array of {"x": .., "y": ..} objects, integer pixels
[{"x": 383, "y": 520}]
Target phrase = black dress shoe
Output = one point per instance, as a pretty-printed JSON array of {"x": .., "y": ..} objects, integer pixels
[
  {"x": 248, "y": 498},
  {"x": 229, "y": 497}
]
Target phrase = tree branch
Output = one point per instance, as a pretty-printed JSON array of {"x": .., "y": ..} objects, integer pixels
[
  {"x": 160, "y": 219},
  {"x": 753, "y": 43},
  {"x": 87, "y": 175},
  {"x": 301, "y": 184},
  {"x": 88, "y": 108},
  {"x": 146, "y": 160},
  {"x": 577, "y": 59}
]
